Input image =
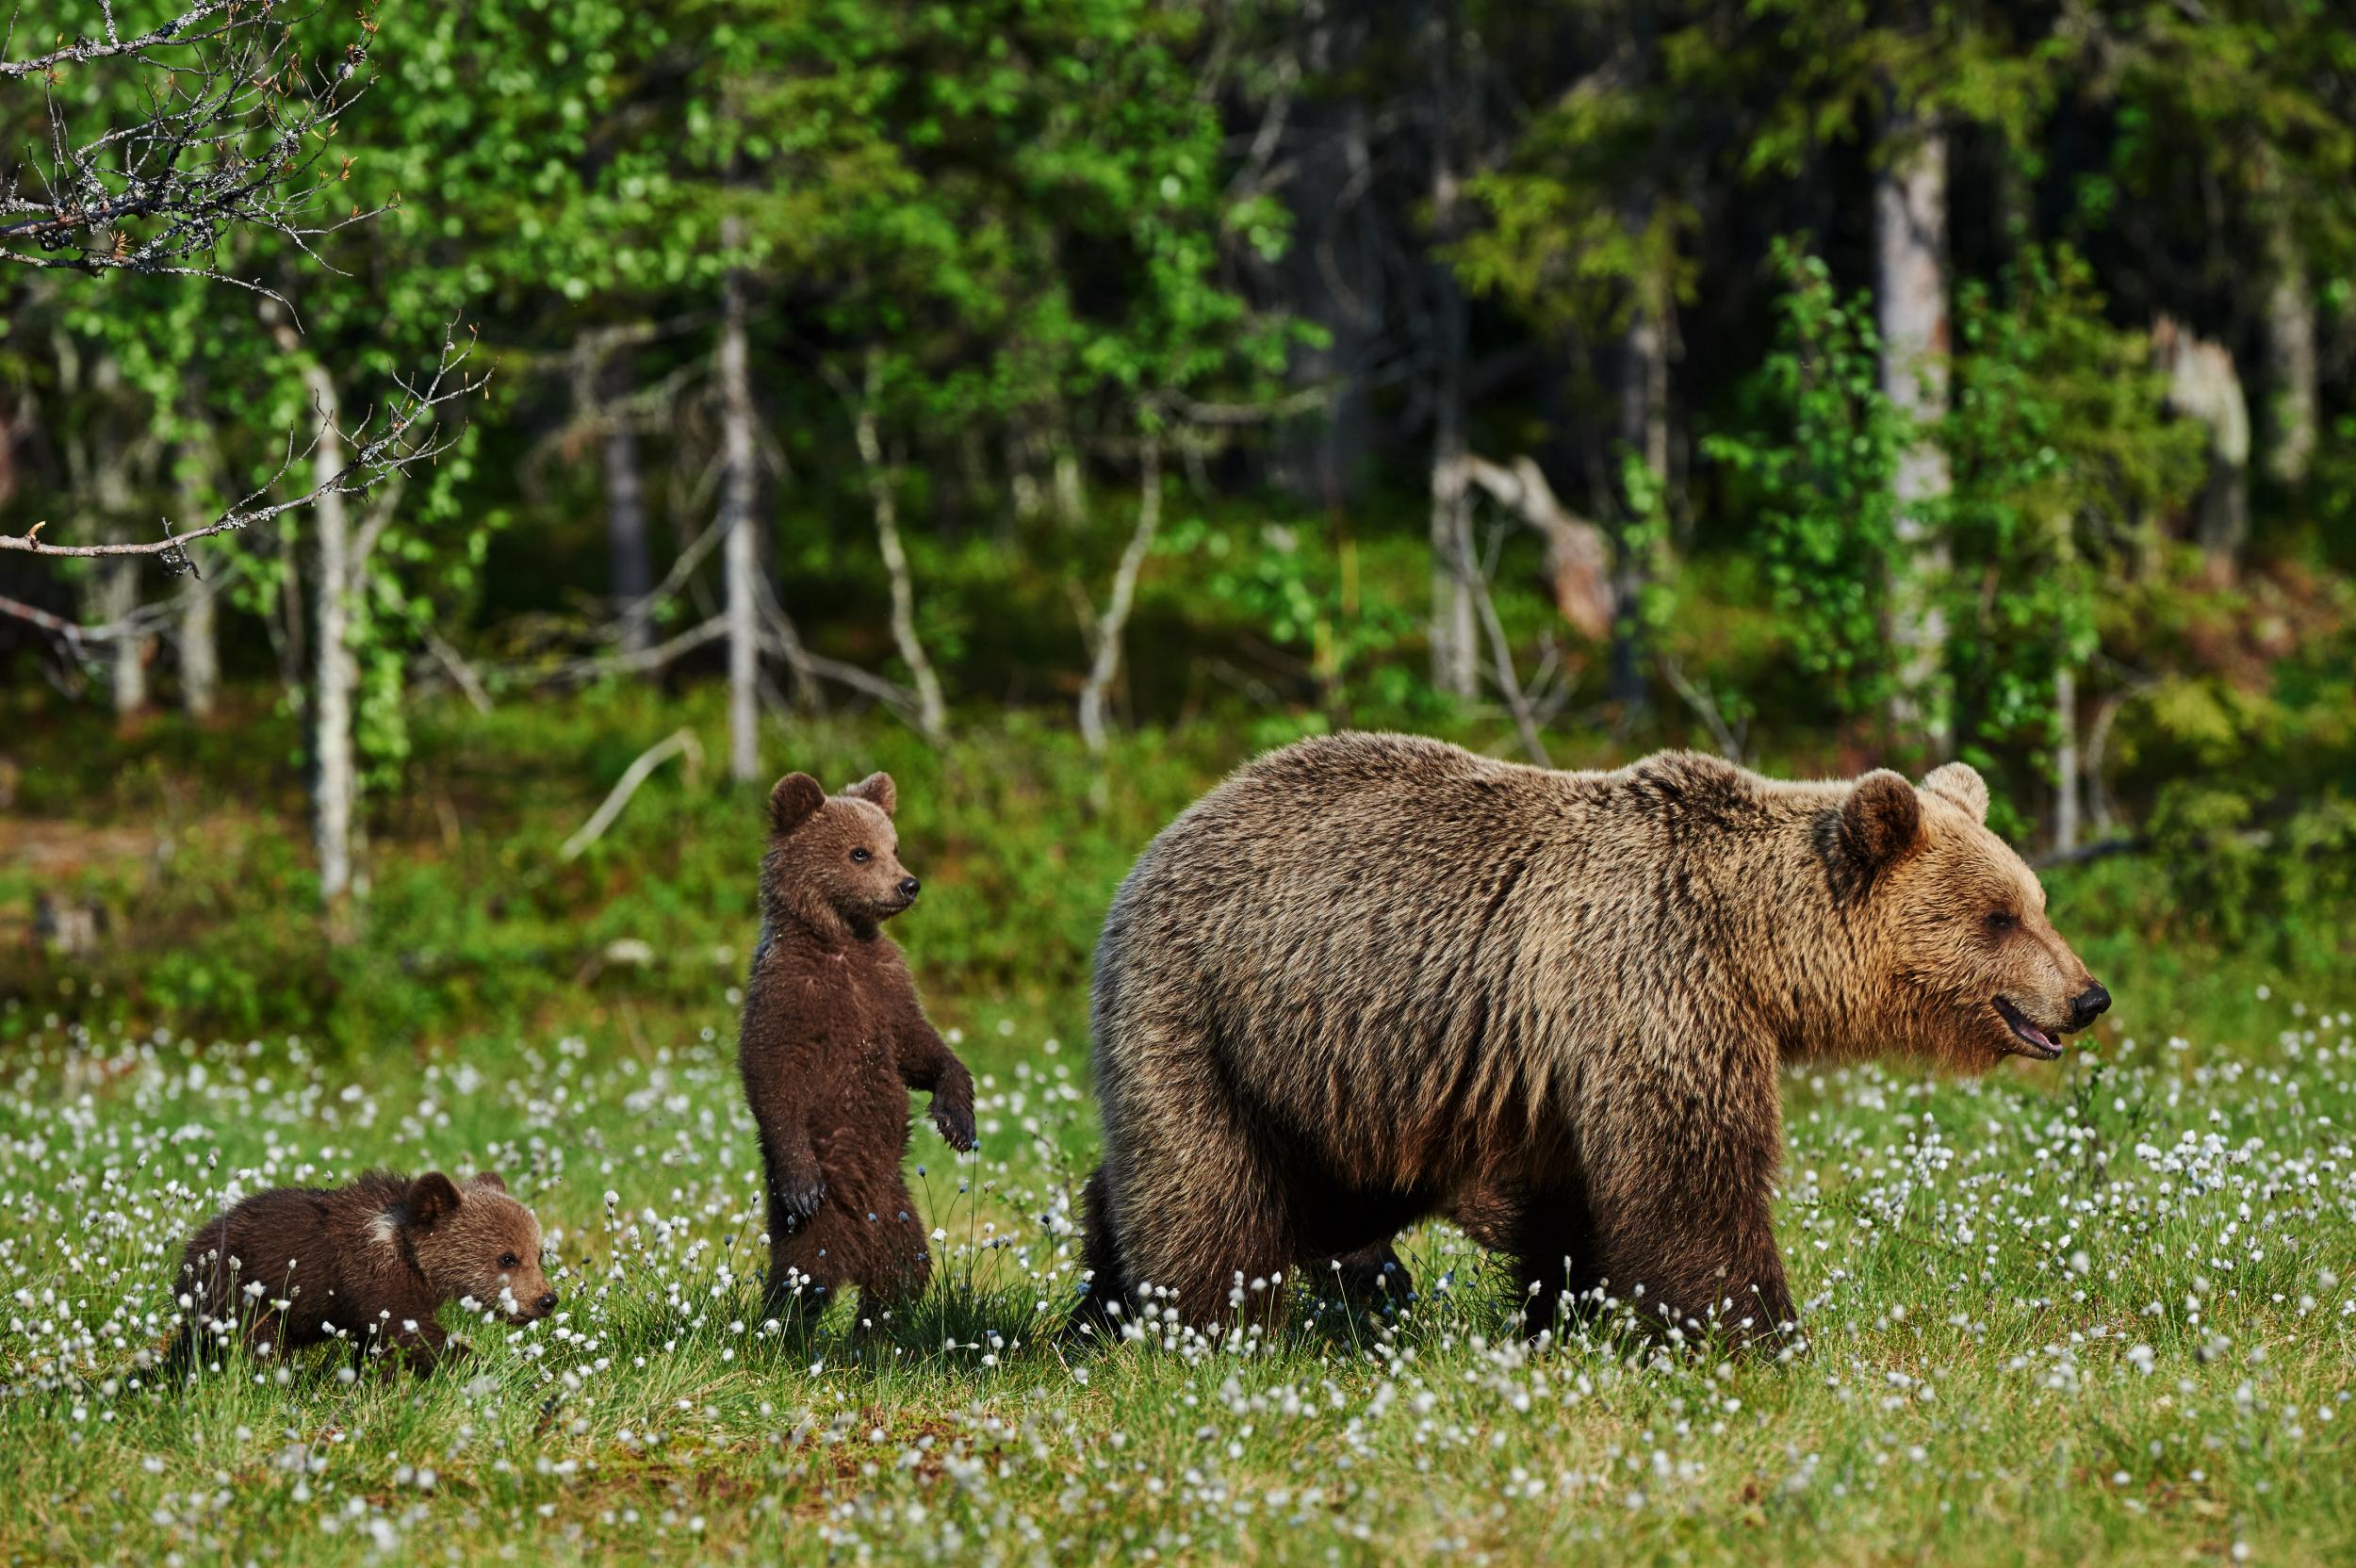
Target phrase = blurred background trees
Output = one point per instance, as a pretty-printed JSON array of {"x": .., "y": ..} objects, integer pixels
[{"x": 1820, "y": 383}]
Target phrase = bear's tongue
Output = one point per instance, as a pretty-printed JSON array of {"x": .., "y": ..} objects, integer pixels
[{"x": 2038, "y": 1040}]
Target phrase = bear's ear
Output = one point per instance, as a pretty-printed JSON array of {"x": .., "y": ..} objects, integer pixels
[
  {"x": 791, "y": 802},
  {"x": 1880, "y": 819},
  {"x": 491, "y": 1179},
  {"x": 1962, "y": 784},
  {"x": 876, "y": 790},
  {"x": 433, "y": 1198}
]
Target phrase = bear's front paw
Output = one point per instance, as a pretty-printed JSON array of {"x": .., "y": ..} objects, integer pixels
[
  {"x": 795, "y": 1202},
  {"x": 955, "y": 1122}
]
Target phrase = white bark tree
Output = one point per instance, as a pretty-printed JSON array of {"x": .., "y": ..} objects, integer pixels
[
  {"x": 1455, "y": 630},
  {"x": 630, "y": 573},
  {"x": 336, "y": 680},
  {"x": 1910, "y": 235},
  {"x": 1104, "y": 651},
  {"x": 932, "y": 713},
  {"x": 197, "y": 636},
  {"x": 2290, "y": 331},
  {"x": 740, "y": 549}
]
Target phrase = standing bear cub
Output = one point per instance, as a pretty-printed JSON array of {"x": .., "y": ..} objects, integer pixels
[
  {"x": 833, "y": 1039},
  {"x": 369, "y": 1263},
  {"x": 1372, "y": 977}
]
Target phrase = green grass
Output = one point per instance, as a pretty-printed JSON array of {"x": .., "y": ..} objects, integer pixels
[{"x": 2103, "y": 1309}]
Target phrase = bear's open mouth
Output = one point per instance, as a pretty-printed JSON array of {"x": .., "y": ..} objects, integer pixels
[{"x": 2041, "y": 1045}]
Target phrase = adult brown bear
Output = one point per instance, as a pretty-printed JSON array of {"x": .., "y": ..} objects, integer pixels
[{"x": 1371, "y": 977}]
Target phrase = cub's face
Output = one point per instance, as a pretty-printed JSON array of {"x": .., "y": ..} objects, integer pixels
[
  {"x": 839, "y": 854},
  {"x": 1973, "y": 969},
  {"x": 477, "y": 1244}
]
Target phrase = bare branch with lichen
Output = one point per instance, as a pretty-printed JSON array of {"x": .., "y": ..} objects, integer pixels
[
  {"x": 232, "y": 132},
  {"x": 388, "y": 441}
]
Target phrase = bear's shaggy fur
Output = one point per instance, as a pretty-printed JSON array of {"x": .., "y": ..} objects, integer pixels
[
  {"x": 369, "y": 1263},
  {"x": 833, "y": 1038},
  {"x": 1371, "y": 977}
]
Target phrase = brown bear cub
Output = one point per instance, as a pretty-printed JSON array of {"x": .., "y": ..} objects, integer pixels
[
  {"x": 1374, "y": 977},
  {"x": 369, "y": 1263},
  {"x": 833, "y": 1039}
]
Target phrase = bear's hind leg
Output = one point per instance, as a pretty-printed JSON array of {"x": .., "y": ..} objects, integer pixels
[
  {"x": 1206, "y": 1227},
  {"x": 884, "y": 1250},
  {"x": 1108, "y": 1295}
]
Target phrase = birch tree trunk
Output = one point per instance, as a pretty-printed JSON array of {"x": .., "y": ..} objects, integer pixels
[
  {"x": 629, "y": 566},
  {"x": 1455, "y": 646},
  {"x": 1645, "y": 429},
  {"x": 740, "y": 554},
  {"x": 197, "y": 635},
  {"x": 1455, "y": 632},
  {"x": 335, "y": 786},
  {"x": 115, "y": 593},
  {"x": 2203, "y": 384},
  {"x": 1105, "y": 660},
  {"x": 932, "y": 716},
  {"x": 114, "y": 584},
  {"x": 2290, "y": 328},
  {"x": 1910, "y": 232}
]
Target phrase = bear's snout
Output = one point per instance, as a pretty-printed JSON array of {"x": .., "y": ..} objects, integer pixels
[
  {"x": 909, "y": 886},
  {"x": 2089, "y": 1003},
  {"x": 546, "y": 1303}
]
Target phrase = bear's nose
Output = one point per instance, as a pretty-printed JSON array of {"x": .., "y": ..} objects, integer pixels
[
  {"x": 547, "y": 1302},
  {"x": 2093, "y": 1000},
  {"x": 909, "y": 886}
]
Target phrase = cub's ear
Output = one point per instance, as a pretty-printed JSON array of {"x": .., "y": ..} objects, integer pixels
[
  {"x": 876, "y": 790},
  {"x": 1880, "y": 819},
  {"x": 1961, "y": 783},
  {"x": 791, "y": 803},
  {"x": 433, "y": 1198},
  {"x": 491, "y": 1179}
]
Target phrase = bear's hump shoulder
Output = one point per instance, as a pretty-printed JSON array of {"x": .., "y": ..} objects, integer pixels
[{"x": 1695, "y": 776}]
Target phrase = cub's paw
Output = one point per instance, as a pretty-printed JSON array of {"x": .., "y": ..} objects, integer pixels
[
  {"x": 955, "y": 1122},
  {"x": 793, "y": 1204}
]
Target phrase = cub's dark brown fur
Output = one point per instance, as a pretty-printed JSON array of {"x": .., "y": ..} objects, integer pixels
[
  {"x": 369, "y": 1263},
  {"x": 833, "y": 1039},
  {"x": 1372, "y": 977}
]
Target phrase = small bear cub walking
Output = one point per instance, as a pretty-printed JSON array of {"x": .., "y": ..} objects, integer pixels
[
  {"x": 833, "y": 1038},
  {"x": 369, "y": 1263}
]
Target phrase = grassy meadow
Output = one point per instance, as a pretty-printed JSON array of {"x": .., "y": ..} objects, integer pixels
[{"x": 2102, "y": 1310}]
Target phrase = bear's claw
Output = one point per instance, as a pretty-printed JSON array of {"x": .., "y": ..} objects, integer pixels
[
  {"x": 796, "y": 1205},
  {"x": 956, "y": 1126}
]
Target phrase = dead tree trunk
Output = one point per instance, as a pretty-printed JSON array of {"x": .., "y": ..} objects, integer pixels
[
  {"x": 2203, "y": 385},
  {"x": 2290, "y": 328},
  {"x": 932, "y": 716},
  {"x": 630, "y": 564},
  {"x": 1645, "y": 430},
  {"x": 1455, "y": 648},
  {"x": 115, "y": 597},
  {"x": 1910, "y": 228},
  {"x": 1455, "y": 633},
  {"x": 334, "y": 785},
  {"x": 740, "y": 554},
  {"x": 197, "y": 635},
  {"x": 1104, "y": 657}
]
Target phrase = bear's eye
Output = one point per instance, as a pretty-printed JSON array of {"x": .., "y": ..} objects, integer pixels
[
  {"x": 2003, "y": 921},
  {"x": 861, "y": 857},
  {"x": 508, "y": 1260}
]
